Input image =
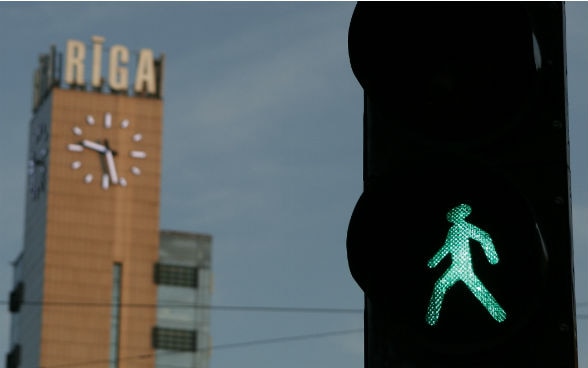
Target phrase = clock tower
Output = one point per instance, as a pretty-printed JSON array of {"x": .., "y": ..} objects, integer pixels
[{"x": 92, "y": 213}]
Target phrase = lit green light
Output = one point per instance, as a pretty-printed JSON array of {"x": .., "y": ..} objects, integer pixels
[{"x": 461, "y": 269}]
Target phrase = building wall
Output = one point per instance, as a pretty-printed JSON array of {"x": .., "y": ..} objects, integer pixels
[
  {"x": 77, "y": 231},
  {"x": 29, "y": 267}
]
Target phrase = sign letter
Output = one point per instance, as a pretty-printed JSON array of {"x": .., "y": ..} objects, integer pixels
[
  {"x": 118, "y": 76},
  {"x": 97, "y": 61},
  {"x": 145, "y": 77},
  {"x": 74, "y": 62}
]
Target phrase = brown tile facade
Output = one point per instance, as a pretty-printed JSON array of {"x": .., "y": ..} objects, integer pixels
[{"x": 89, "y": 229}]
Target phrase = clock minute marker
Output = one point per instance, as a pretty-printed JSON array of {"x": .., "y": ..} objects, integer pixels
[
  {"x": 107, "y": 120},
  {"x": 137, "y": 154},
  {"x": 105, "y": 181}
]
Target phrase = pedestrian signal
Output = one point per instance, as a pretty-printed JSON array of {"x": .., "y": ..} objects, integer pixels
[
  {"x": 460, "y": 263},
  {"x": 457, "y": 246},
  {"x": 461, "y": 239}
]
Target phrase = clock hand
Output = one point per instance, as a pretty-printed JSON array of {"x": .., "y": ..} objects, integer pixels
[
  {"x": 111, "y": 166},
  {"x": 94, "y": 146},
  {"x": 109, "y": 155},
  {"x": 105, "y": 179}
]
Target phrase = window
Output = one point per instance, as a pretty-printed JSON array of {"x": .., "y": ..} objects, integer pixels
[
  {"x": 173, "y": 275},
  {"x": 115, "y": 315},
  {"x": 174, "y": 339},
  {"x": 16, "y": 297},
  {"x": 13, "y": 358}
]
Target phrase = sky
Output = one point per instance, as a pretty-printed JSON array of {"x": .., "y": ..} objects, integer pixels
[{"x": 262, "y": 149}]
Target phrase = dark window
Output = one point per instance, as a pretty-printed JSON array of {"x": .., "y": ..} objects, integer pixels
[
  {"x": 13, "y": 358},
  {"x": 16, "y": 298},
  {"x": 166, "y": 274},
  {"x": 115, "y": 315},
  {"x": 174, "y": 339}
]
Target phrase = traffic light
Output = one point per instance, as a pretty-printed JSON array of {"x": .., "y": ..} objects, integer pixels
[{"x": 461, "y": 239}]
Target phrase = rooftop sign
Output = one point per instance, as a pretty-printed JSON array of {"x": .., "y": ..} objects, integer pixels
[{"x": 85, "y": 66}]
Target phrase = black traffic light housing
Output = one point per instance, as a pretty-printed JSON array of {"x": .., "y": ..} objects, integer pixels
[{"x": 464, "y": 105}]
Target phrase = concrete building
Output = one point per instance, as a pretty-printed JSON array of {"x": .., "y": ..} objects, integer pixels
[{"x": 184, "y": 279}]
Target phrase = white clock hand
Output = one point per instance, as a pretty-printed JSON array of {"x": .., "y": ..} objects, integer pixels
[
  {"x": 94, "y": 146},
  {"x": 111, "y": 166}
]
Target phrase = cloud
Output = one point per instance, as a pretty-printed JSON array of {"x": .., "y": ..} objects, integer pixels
[
  {"x": 243, "y": 98},
  {"x": 237, "y": 85}
]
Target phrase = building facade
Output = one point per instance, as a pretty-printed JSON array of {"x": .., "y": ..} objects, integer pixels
[{"x": 86, "y": 284}]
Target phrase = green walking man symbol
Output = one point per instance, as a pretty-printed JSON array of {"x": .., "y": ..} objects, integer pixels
[{"x": 461, "y": 269}]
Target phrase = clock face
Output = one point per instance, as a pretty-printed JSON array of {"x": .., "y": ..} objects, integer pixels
[
  {"x": 105, "y": 152},
  {"x": 37, "y": 161}
]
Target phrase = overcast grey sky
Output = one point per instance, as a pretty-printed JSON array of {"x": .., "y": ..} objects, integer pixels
[{"x": 262, "y": 149}]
